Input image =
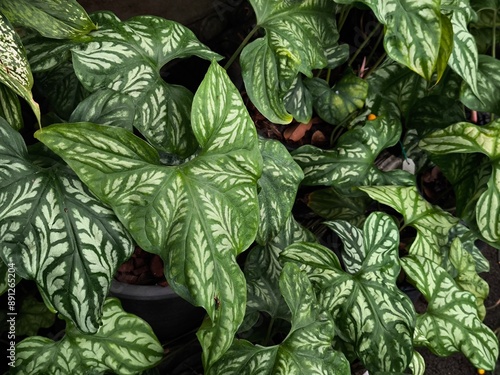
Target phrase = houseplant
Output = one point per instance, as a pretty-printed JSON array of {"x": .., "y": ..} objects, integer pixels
[{"x": 186, "y": 177}]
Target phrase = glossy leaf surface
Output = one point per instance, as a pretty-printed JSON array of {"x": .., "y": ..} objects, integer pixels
[
  {"x": 58, "y": 19},
  {"x": 126, "y": 57},
  {"x": 57, "y": 233},
  {"x": 369, "y": 310},
  {"x": 197, "y": 216},
  {"x": 307, "y": 348},
  {"x": 300, "y": 36},
  {"x": 465, "y": 137},
  {"x": 450, "y": 322},
  {"x": 431, "y": 222},
  {"x": 278, "y": 184},
  {"x": 124, "y": 344}
]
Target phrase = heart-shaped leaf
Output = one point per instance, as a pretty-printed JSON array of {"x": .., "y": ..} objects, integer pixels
[
  {"x": 351, "y": 161},
  {"x": 488, "y": 84},
  {"x": 198, "y": 216},
  {"x": 57, "y": 233},
  {"x": 370, "y": 312},
  {"x": 15, "y": 71},
  {"x": 431, "y": 222},
  {"x": 126, "y": 57},
  {"x": 307, "y": 348},
  {"x": 465, "y": 137},
  {"x": 450, "y": 322},
  {"x": 300, "y": 36},
  {"x": 335, "y": 104},
  {"x": 124, "y": 344},
  {"x": 263, "y": 269},
  {"x": 278, "y": 184},
  {"x": 58, "y": 19}
]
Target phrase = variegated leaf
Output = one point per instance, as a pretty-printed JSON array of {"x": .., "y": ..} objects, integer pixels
[
  {"x": 278, "y": 184},
  {"x": 62, "y": 89},
  {"x": 299, "y": 101},
  {"x": 332, "y": 205},
  {"x": 127, "y": 58},
  {"x": 199, "y": 215},
  {"x": 350, "y": 163},
  {"x": 488, "y": 84},
  {"x": 124, "y": 344},
  {"x": 431, "y": 222},
  {"x": 307, "y": 348},
  {"x": 263, "y": 269},
  {"x": 412, "y": 31},
  {"x": 465, "y": 137},
  {"x": 32, "y": 316},
  {"x": 45, "y": 54},
  {"x": 369, "y": 311},
  {"x": 466, "y": 276},
  {"x": 58, "y": 19},
  {"x": 15, "y": 71},
  {"x": 300, "y": 36},
  {"x": 464, "y": 57},
  {"x": 10, "y": 107},
  {"x": 335, "y": 104},
  {"x": 488, "y": 11},
  {"x": 417, "y": 364},
  {"x": 450, "y": 322},
  {"x": 57, "y": 233}
]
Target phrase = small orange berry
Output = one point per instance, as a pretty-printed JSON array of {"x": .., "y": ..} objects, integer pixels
[
  {"x": 371, "y": 117},
  {"x": 480, "y": 371}
]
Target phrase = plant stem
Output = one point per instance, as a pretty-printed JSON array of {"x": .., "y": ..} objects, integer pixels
[
  {"x": 365, "y": 42},
  {"x": 343, "y": 17},
  {"x": 241, "y": 46},
  {"x": 494, "y": 36},
  {"x": 269, "y": 331},
  {"x": 375, "y": 66}
]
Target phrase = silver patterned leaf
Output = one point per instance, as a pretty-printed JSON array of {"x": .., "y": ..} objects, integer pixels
[
  {"x": 126, "y": 57},
  {"x": 278, "y": 184},
  {"x": 450, "y": 323},
  {"x": 198, "y": 216},
  {"x": 307, "y": 348},
  {"x": 58, "y": 19},
  {"x": 371, "y": 314},
  {"x": 465, "y": 137},
  {"x": 10, "y": 107},
  {"x": 124, "y": 345},
  {"x": 15, "y": 71},
  {"x": 300, "y": 36},
  {"x": 56, "y": 233}
]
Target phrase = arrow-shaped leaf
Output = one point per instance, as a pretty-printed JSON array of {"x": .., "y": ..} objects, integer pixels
[
  {"x": 307, "y": 348},
  {"x": 126, "y": 57},
  {"x": 198, "y": 216},
  {"x": 124, "y": 344},
  {"x": 431, "y": 222},
  {"x": 450, "y": 323},
  {"x": 56, "y": 233},
  {"x": 465, "y": 137},
  {"x": 370, "y": 312}
]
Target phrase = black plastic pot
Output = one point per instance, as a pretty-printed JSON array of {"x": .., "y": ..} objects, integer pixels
[{"x": 169, "y": 315}]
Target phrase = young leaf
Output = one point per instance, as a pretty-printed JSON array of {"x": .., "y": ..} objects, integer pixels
[
  {"x": 335, "y": 104},
  {"x": 58, "y": 19},
  {"x": 307, "y": 348},
  {"x": 465, "y": 137},
  {"x": 126, "y": 57},
  {"x": 278, "y": 184},
  {"x": 300, "y": 36},
  {"x": 198, "y": 216},
  {"x": 370, "y": 312},
  {"x": 57, "y": 233},
  {"x": 450, "y": 323},
  {"x": 488, "y": 85},
  {"x": 432, "y": 223},
  {"x": 263, "y": 269},
  {"x": 124, "y": 344},
  {"x": 15, "y": 71}
]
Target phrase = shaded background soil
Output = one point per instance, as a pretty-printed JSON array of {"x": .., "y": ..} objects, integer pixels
[{"x": 222, "y": 23}]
